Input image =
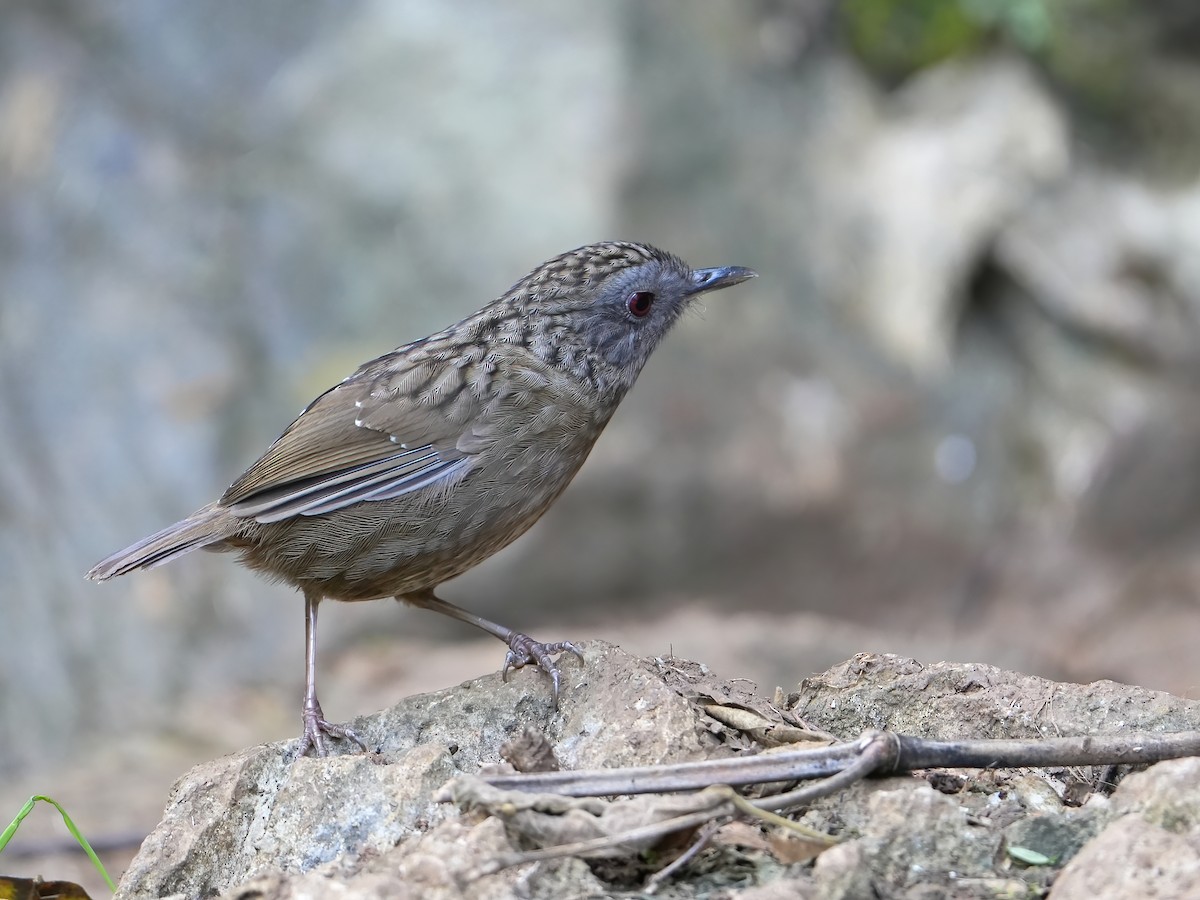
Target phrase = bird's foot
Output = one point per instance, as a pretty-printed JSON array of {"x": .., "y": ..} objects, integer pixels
[
  {"x": 315, "y": 729},
  {"x": 523, "y": 650}
]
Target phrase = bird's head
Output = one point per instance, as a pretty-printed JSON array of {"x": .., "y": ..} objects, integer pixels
[{"x": 611, "y": 303}]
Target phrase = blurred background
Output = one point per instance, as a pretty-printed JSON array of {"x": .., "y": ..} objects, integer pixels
[{"x": 956, "y": 416}]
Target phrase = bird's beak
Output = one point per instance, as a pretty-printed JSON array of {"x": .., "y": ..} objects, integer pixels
[{"x": 704, "y": 280}]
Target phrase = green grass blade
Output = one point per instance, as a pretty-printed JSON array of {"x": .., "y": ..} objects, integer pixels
[
  {"x": 6, "y": 836},
  {"x": 12, "y": 826}
]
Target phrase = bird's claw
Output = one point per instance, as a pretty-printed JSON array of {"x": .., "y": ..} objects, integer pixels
[
  {"x": 523, "y": 650},
  {"x": 315, "y": 729}
]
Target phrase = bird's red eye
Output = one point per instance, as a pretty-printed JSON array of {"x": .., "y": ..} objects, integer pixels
[{"x": 639, "y": 303}]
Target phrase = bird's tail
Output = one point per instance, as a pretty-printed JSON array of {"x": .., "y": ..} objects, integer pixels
[{"x": 202, "y": 528}]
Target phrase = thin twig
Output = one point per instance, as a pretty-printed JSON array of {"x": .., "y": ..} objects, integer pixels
[
  {"x": 788, "y": 765},
  {"x": 877, "y": 753},
  {"x": 908, "y": 753},
  {"x": 702, "y": 839},
  {"x": 874, "y": 752},
  {"x": 1086, "y": 750},
  {"x": 593, "y": 845}
]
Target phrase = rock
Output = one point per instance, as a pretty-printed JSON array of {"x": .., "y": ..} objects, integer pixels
[
  {"x": 1132, "y": 858},
  {"x": 909, "y": 835},
  {"x": 1144, "y": 496},
  {"x": 263, "y": 809},
  {"x": 1093, "y": 288},
  {"x": 1152, "y": 849},
  {"x": 949, "y": 700},
  {"x": 958, "y": 153},
  {"x": 265, "y": 824}
]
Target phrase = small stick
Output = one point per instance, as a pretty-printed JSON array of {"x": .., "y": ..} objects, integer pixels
[
  {"x": 706, "y": 834},
  {"x": 903, "y": 754}
]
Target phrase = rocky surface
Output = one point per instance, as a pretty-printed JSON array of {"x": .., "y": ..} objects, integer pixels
[{"x": 263, "y": 823}]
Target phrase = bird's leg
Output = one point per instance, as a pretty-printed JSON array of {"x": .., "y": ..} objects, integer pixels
[
  {"x": 315, "y": 726},
  {"x": 522, "y": 649}
]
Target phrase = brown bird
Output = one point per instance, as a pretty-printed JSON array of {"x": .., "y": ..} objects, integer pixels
[{"x": 429, "y": 459}]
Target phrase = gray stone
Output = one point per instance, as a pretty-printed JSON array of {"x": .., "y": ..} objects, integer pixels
[{"x": 262, "y": 823}]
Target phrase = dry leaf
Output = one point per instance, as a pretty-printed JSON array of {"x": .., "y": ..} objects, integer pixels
[
  {"x": 36, "y": 889},
  {"x": 742, "y": 834},
  {"x": 788, "y": 849}
]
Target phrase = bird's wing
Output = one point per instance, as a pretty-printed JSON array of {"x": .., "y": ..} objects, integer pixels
[{"x": 392, "y": 428}]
